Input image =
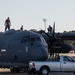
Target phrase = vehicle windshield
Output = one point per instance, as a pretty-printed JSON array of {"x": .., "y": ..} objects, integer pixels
[
  {"x": 67, "y": 58},
  {"x": 73, "y": 59}
]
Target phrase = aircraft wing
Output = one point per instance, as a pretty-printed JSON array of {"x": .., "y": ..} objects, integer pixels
[{"x": 67, "y": 35}]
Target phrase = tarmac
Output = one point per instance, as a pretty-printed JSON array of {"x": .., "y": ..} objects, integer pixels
[{"x": 7, "y": 72}]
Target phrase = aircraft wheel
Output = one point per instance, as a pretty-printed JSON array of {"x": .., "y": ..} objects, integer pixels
[
  {"x": 74, "y": 73},
  {"x": 12, "y": 69},
  {"x": 44, "y": 71},
  {"x": 17, "y": 69}
]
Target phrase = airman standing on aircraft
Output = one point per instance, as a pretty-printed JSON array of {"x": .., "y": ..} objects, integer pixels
[
  {"x": 21, "y": 29},
  {"x": 49, "y": 29},
  {"x": 7, "y": 24}
]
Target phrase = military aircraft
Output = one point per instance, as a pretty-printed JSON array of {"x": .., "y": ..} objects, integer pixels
[{"x": 17, "y": 48}]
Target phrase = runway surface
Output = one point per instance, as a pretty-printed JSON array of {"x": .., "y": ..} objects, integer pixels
[{"x": 7, "y": 72}]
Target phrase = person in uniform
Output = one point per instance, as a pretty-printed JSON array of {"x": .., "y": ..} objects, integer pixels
[
  {"x": 50, "y": 29},
  {"x": 21, "y": 29},
  {"x": 7, "y": 24}
]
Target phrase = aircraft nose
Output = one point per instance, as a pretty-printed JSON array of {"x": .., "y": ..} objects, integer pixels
[{"x": 43, "y": 54}]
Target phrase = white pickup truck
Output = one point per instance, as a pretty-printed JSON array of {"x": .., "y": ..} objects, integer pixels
[{"x": 62, "y": 63}]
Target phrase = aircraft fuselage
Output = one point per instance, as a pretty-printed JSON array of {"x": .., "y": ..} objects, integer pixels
[{"x": 21, "y": 47}]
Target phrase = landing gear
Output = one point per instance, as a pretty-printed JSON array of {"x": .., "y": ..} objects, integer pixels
[
  {"x": 19, "y": 69},
  {"x": 15, "y": 69}
]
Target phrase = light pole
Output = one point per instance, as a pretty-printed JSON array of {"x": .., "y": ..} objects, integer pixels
[{"x": 45, "y": 20}]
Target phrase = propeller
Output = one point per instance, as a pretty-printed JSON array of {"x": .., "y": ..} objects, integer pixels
[
  {"x": 55, "y": 40},
  {"x": 53, "y": 29},
  {"x": 51, "y": 37}
]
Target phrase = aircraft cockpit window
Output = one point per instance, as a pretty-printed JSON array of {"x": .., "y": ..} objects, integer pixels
[
  {"x": 25, "y": 39},
  {"x": 38, "y": 39},
  {"x": 42, "y": 39},
  {"x": 32, "y": 39}
]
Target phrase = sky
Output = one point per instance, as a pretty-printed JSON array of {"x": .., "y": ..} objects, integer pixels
[{"x": 30, "y": 14}]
